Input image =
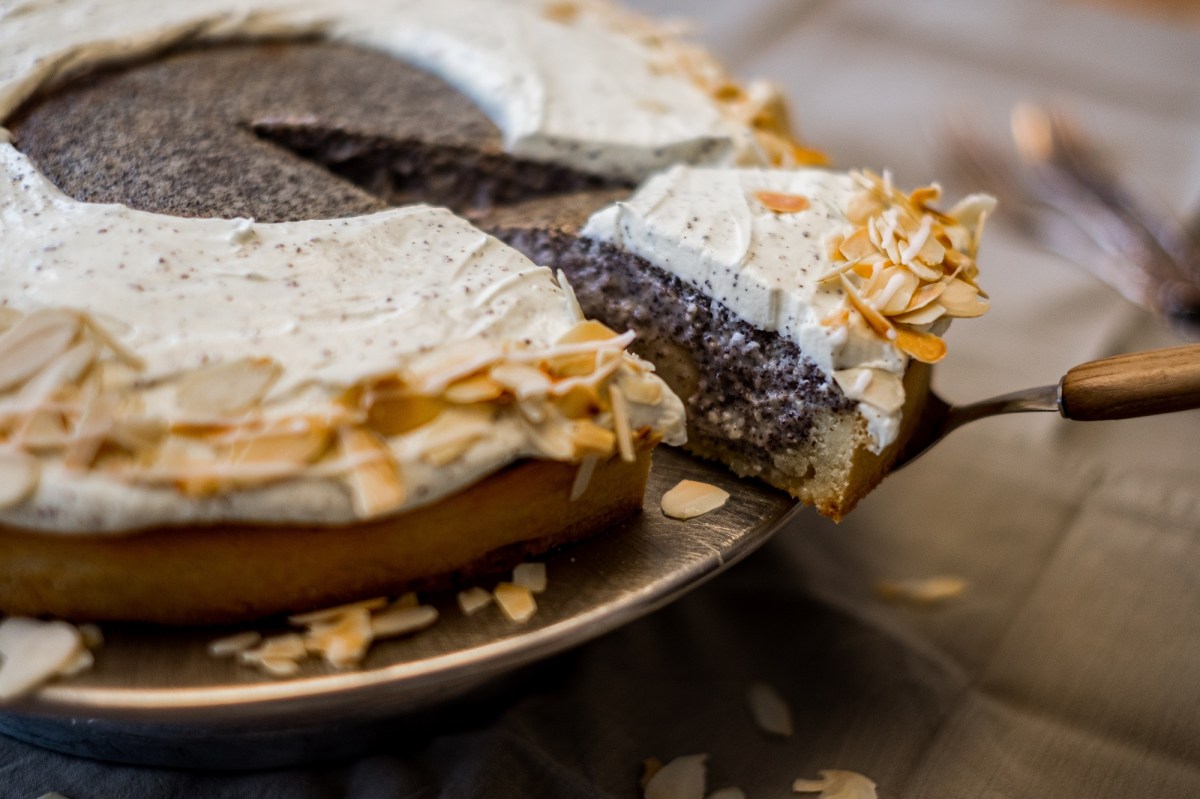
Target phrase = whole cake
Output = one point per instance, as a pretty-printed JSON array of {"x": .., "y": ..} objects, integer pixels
[{"x": 232, "y": 368}]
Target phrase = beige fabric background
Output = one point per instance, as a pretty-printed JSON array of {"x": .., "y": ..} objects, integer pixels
[{"x": 1071, "y": 665}]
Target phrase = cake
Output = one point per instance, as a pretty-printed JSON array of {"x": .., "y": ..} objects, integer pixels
[{"x": 243, "y": 374}]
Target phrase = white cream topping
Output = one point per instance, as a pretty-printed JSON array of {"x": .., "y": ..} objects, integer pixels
[
  {"x": 706, "y": 226},
  {"x": 573, "y": 92},
  {"x": 331, "y": 301}
]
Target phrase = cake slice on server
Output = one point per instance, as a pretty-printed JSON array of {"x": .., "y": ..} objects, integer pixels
[{"x": 795, "y": 311}]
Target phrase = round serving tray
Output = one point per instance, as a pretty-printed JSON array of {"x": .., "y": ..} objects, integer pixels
[{"x": 156, "y": 696}]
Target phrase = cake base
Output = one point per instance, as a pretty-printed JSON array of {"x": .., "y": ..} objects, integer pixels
[{"x": 231, "y": 573}]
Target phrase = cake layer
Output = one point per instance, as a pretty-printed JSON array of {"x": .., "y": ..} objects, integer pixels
[{"x": 225, "y": 573}]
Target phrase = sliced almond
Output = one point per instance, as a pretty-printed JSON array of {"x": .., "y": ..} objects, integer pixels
[
  {"x": 43, "y": 430},
  {"x": 108, "y": 339},
  {"x": 344, "y": 642},
  {"x": 32, "y": 652},
  {"x": 279, "y": 667},
  {"x": 523, "y": 380},
  {"x": 858, "y": 246},
  {"x": 783, "y": 203},
  {"x": 474, "y": 600},
  {"x": 33, "y": 342},
  {"x": 300, "y": 445},
  {"x": 395, "y": 415},
  {"x": 516, "y": 601},
  {"x": 583, "y": 476},
  {"x": 837, "y": 784},
  {"x": 691, "y": 498},
  {"x": 530, "y": 575},
  {"x": 877, "y": 322},
  {"x": 395, "y": 622},
  {"x": 329, "y": 614},
  {"x": 924, "y": 591},
  {"x": 592, "y": 439},
  {"x": 898, "y": 290},
  {"x": 588, "y": 330},
  {"x": 925, "y": 347},
  {"x": 621, "y": 425},
  {"x": 682, "y": 778},
  {"x": 863, "y": 206},
  {"x": 877, "y": 387},
  {"x": 642, "y": 389},
  {"x": 19, "y": 475},
  {"x": 235, "y": 644},
  {"x": 922, "y": 316},
  {"x": 375, "y": 485},
  {"x": 227, "y": 388},
  {"x": 479, "y": 388},
  {"x": 770, "y": 710},
  {"x": 962, "y": 300}
]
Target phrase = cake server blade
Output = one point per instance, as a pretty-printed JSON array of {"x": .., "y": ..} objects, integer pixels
[{"x": 1120, "y": 387}]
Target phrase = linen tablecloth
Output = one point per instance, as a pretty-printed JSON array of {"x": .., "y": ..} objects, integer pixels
[{"x": 1069, "y": 667}]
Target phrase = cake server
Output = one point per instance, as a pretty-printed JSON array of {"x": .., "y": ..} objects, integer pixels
[{"x": 1120, "y": 387}]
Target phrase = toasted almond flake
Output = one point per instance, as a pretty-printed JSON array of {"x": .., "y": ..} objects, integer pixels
[
  {"x": 621, "y": 426},
  {"x": 650, "y": 767},
  {"x": 91, "y": 635},
  {"x": 862, "y": 207},
  {"x": 591, "y": 439},
  {"x": 234, "y": 644},
  {"x": 375, "y": 487},
  {"x": 279, "y": 666},
  {"x": 691, "y": 498},
  {"x": 33, "y": 342},
  {"x": 642, "y": 389},
  {"x": 895, "y": 295},
  {"x": 479, "y": 388},
  {"x": 81, "y": 662},
  {"x": 109, "y": 340},
  {"x": 522, "y": 380},
  {"x": 394, "y": 415},
  {"x": 474, "y": 600},
  {"x": 298, "y": 446},
  {"x": 344, "y": 642},
  {"x": 873, "y": 318},
  {"x": 877, "y": 387},
  {"x": 408, "y": 599},
  {"x": 769, "y": 710},
  {"x": 452, "y": 435},
  {"x": 925, "y": 347},
  {"x": 42, "y": 430},
  {"x": 19, "y": 475},
  {"x": 93, "y": 429},
  {"x": 330, "y": 614},
  {"x": 918, "y": 240},
  {"x": 837, "y": 784},
  {"x": 583, "y": 476},
  {"x": 925, "y": 591},
  {"x": 395, "y": 622},
  {"x": 227, "y": 388},
  {"x": 531, "y": 576},
  {"x": 730, "y": 792},
  {"x": 922, "y": 316},
  {"x": 286, "y": 646},
  {"x": 960, "y": 299},
  {"x": 783, "y": 203},
  {"x": 858, "y": 245},
  {"x": 682, "y": 778},
  {"x": 32, "y": 652},
  {"x": 573, "y": 307},
  {"x": 587, "y": 331},
  {"x": 64, "y": 369},
  {"x": 516, "y": 601}
]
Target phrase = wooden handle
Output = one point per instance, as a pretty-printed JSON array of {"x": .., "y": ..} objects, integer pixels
[{"x": 1138, "y": 384}]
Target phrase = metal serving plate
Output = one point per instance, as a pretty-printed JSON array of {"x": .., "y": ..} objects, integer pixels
[{"x": 157, "y": 697}]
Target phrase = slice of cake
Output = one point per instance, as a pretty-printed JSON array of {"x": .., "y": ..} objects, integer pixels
[{"x": 795, "y": 311}]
